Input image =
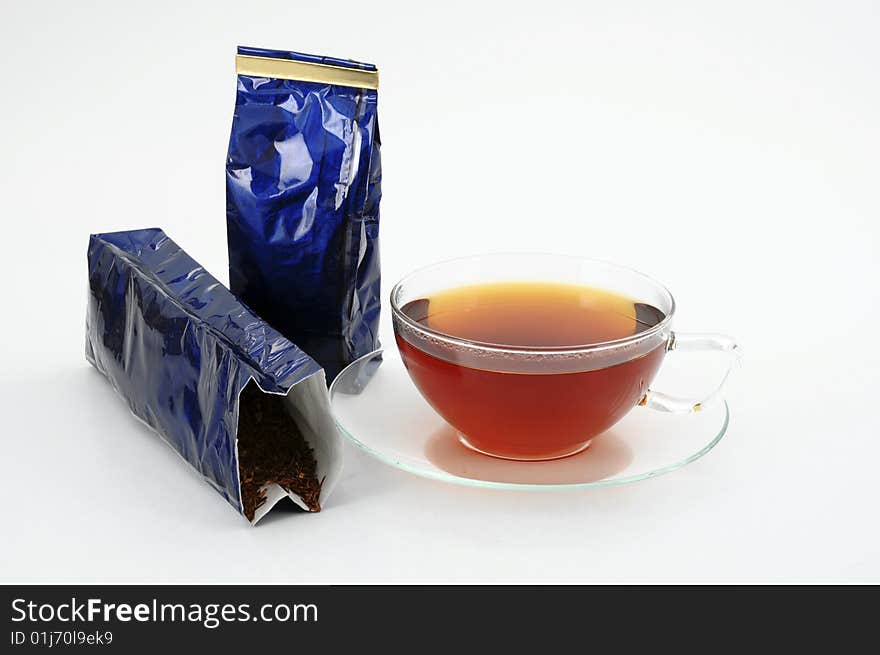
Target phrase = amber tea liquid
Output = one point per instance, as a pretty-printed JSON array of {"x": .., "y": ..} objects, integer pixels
[{"x": 540, "y": 414}]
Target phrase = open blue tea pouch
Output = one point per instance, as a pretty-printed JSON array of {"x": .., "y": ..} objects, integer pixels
[
  {"x": 303, "y": 183},
  {"x": 242, "y": 404}
]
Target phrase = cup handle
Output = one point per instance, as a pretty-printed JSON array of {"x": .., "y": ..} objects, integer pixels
[{"x": 713, "y": 342}]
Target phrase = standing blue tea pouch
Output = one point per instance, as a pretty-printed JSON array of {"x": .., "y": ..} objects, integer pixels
[
  {"x": 235, "y": 399},
  {"x": 303, "y": 183}
]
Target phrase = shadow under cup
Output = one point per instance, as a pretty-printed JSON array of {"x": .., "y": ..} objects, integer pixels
[{"x": 522, "y": 402}]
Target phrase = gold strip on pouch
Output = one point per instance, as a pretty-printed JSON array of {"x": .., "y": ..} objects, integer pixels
[{"x": 305, "y": 71}]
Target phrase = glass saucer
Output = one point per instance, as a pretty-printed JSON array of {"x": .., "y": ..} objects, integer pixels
[{"x": 379, "y": 409}]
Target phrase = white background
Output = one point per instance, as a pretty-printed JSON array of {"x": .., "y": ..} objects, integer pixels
[{"x": 728, "y": 149}]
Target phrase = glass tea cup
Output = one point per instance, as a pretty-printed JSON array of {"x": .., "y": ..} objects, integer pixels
[{"x": 527, "y": 401}]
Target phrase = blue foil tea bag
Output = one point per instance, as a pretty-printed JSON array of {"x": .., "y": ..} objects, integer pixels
[
  {"x": 303, "y": 183},
  {"x": 242, "y": 404}
]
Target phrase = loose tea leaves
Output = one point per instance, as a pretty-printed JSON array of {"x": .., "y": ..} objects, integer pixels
[{"x": 272, "y": 449}]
